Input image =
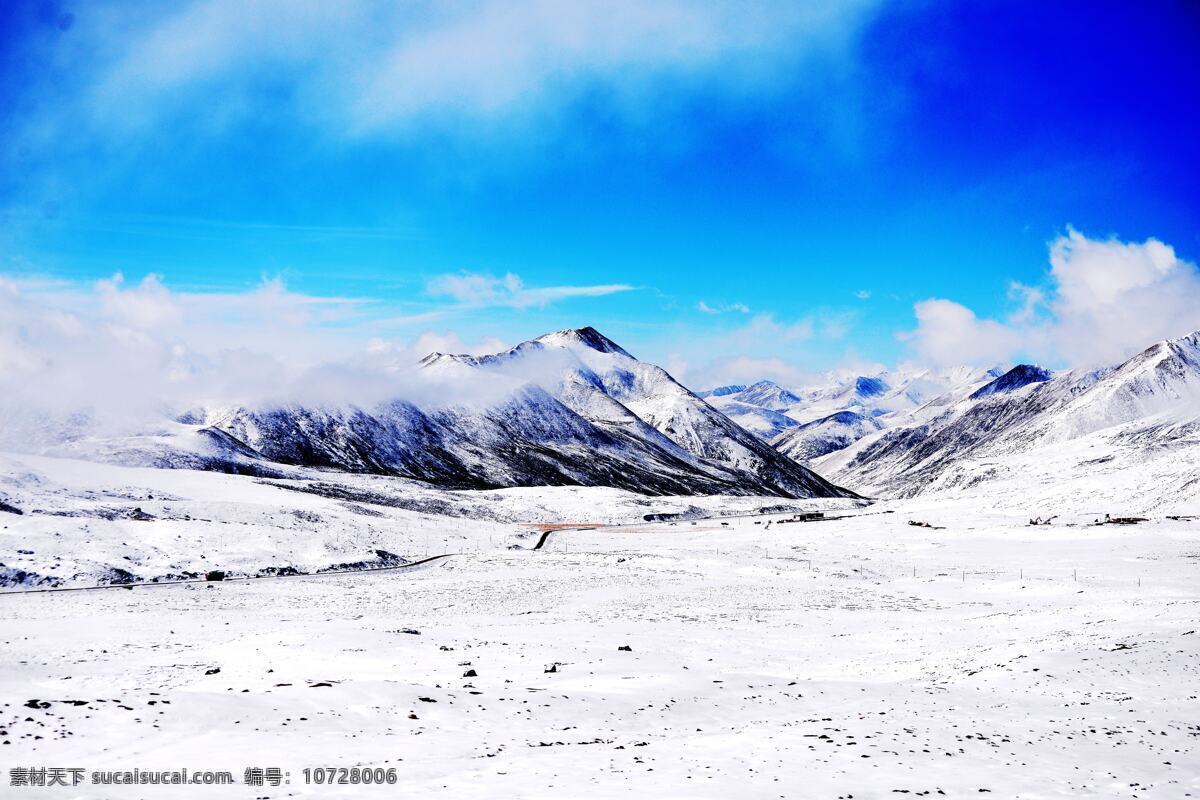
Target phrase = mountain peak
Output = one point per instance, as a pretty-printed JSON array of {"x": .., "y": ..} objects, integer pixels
[
  {"x": 869, "y": 387},
  {"x": 447, "y": 358},
  {"x": 768, "y": 394},
  {"x": 1015, "y": 378},
  {"x": 587, "y": 336},
  {"x": 1190, "y": 341},
  {"x": 722, "y": 391}
]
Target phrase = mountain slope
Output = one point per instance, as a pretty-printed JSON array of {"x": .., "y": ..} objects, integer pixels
[
  {"x": 762, "y": 422},
  {"x": 1147, "y": 405},
  {"x": 528, "y": 439},
  {"x": 769, "y": 395},
  {"x": 812, "y": 440},
  {"x": 604, "y": 384}
]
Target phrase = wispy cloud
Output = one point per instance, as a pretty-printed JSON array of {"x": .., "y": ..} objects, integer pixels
[
  {"x": 763, "y": 345},
  {"x": 127, "y": 83},
  {"x": 375, "y": 66},
  {"x": 475, "y": 290},
  {"x": 200, "y": 228},
  {"x": 740, "y": 308},
  {"x": 407, "y": 320},
  {"x": 749, "y": 369}
]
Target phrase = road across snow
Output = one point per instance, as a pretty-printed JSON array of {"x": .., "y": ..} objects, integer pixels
[{"x": 799, "y": 660}]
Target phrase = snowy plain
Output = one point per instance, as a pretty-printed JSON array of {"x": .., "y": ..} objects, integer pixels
[{"x": 854, "y": 657}]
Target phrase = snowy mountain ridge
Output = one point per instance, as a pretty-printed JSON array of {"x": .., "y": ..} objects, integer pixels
[
  {"x": 1142, "y": 412},
  {"x": 568, "y": 408}
]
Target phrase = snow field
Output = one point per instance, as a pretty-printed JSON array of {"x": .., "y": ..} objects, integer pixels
[{"x": 799, "y": 660}]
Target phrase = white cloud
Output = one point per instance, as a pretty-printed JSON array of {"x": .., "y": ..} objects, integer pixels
[
  {"x": 949, "y": 334},
  {"x": 477, "y": 291},
  {"x": 1029, "y": 300},
  {"x": 863, "y": 294},
  {"x": 1104, "y": 300},
  {"x": 146, "y": 306},
  {"x": 1113, "y": 298}
]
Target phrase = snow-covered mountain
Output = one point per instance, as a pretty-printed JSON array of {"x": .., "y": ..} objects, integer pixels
[
  {"x": 568, "y": 408},
  {"x": 1082, "y": 421},
  {"x": 762, "y": 422},
  {"x": 812, "y": 440},
  {"x": 721, "y": 391},
  {"x": 1015, "y": 378},
  {"x": 640, "y": 404},
  {"x": 767, "y": 394},
  {"x": 894, "y": 392},
  {"x": 812, "y": 421},
  {"x": 574, "y": 408},
  {"x": 760, "y": 408}
]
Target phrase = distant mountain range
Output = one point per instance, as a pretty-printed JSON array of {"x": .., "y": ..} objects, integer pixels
[
  {"x": 807, "y": 423},
  {"x": 1142, "y": 410},
  {"x": 897, "y": 434}
]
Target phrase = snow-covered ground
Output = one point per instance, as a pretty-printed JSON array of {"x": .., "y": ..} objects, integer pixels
[
  {"x": 859, "y": 656},
  {"x": 82, "y": 521}
]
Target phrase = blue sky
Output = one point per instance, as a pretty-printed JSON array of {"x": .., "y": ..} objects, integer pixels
[{"x": 731, "y": 190}]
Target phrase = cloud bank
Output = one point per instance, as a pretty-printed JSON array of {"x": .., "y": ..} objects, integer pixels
[
  {"x": 1103, "y": 301},
  {"x": 122, "y": 356}
]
